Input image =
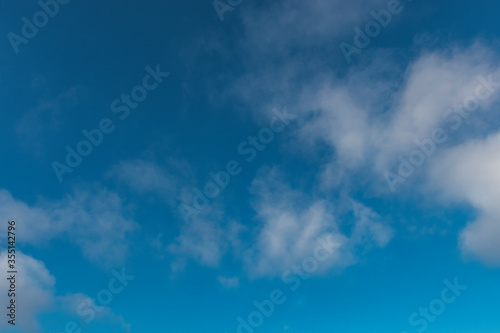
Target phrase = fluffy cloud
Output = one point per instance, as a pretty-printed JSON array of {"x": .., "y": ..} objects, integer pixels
[
  {"x": 36, "y": 295},
  {"x": 469, "y": 173},
  {"x": 206, "y": 239},
  {"x": 436, "y": 82},
  {"x": 368, "y": 121},
  {"x": 35, "y": 291},
  {"x": 292, "y": 225},
  {"x": 368, "y": 134},
  {"x": 358, "y": 120},
  {"x": 290, "y": 230},
  {"x": 202, "y": 241},
  {"x": 92, "y": 220}
]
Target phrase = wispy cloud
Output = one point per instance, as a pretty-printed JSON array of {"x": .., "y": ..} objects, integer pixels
[
  {"x": 292, "y": 223},
  {"x": 92, "y": 219},
  {"x": 48, "y": 115},
  {"x": 35, "y": 291},
  {"x": 229, "y": 282},
  {"x": 469, "y": 173}
]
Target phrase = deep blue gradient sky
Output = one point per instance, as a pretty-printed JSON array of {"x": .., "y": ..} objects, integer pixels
[{"x": 323, "y": 175}]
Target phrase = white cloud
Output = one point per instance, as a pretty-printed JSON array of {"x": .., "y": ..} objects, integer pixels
[
  {"x": 368, "y": 115},
  {"x": 368, "y": 121},
  {"x": 285, "y": 43},
  {"x": 34, "y": 291},
  {"x": 435, "y": 82},
  {"x": 92, "y": 220},
  {"x": 292, "y": 224},
  {"x": 48, "y": 115},
  {"x": 367, "y": 134},
  {"x": 368, "y": 227},
  {"x": 470, "y": 174},
  {"x": 35, "y": 295},
  {"x": 206, "y": 240},
  {"x": 359, "y": 122},
  {"x": 143, "y": 176},
  {"x": 201, "y": 240},
  {"x": 70, "y": 304},
  {"x": 291, "y": 227},
  {"x": 228, "y": 282},
  {"x": 281, "y": 25}
]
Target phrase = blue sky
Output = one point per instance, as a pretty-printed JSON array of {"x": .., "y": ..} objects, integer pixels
[{"x": 251, "y": 166}]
